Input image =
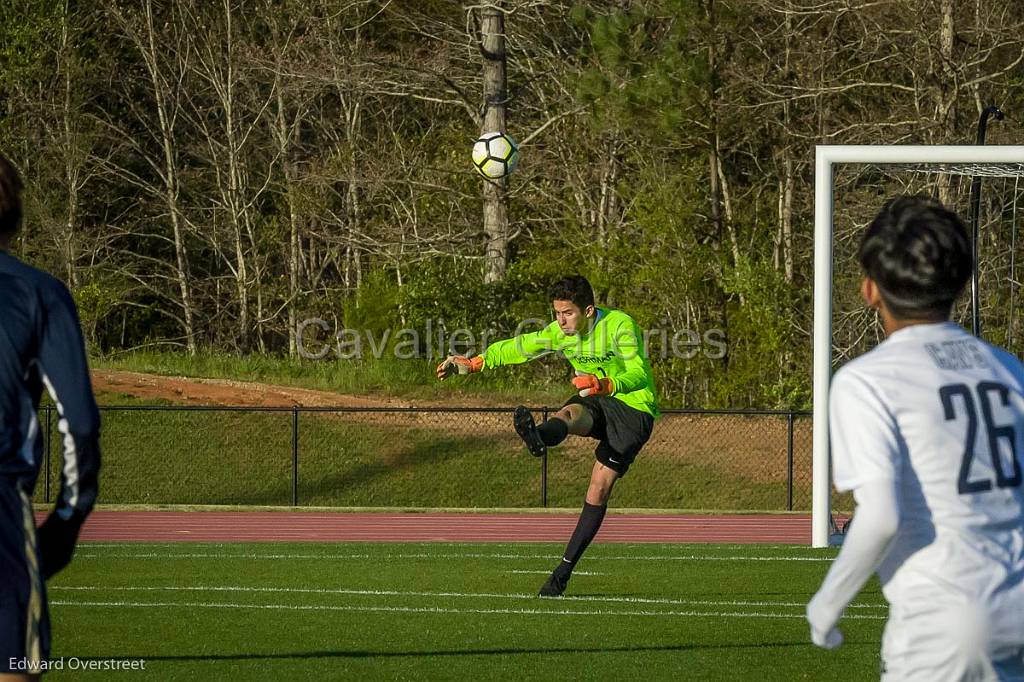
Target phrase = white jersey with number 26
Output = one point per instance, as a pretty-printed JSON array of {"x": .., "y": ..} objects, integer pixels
[{"x": 941, "y": 414}]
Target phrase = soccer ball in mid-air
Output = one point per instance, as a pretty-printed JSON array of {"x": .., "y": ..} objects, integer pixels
[{"x": 495, "y": 155}]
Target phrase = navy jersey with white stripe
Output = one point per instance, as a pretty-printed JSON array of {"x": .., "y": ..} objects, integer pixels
[{"x": 41, "y": 346}]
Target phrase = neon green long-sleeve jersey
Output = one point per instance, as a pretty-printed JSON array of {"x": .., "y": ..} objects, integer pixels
[{"x": 613, "y": 348}]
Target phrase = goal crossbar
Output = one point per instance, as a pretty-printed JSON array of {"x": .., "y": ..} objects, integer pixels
[{"x": 826, "y": 156}]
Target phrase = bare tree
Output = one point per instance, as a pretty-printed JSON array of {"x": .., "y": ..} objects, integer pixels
[
  {"x": 165, "y": 69},
  {"x": 291, "y": 103},
  {"x": 226, "y": 113},
  {"x": 495, "y": 95}
]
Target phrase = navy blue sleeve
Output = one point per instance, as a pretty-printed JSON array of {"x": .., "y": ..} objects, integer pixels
[{"x": 65, "y": 373}]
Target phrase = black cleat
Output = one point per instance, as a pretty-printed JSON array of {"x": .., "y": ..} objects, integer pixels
[
  {"x": 555, "y": 585},
  {"x": 527, "y": 430}
]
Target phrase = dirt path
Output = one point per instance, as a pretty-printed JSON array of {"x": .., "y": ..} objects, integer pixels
[{"x": 193, "y": 391}]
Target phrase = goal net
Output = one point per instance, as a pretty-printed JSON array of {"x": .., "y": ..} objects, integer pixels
[{"x": 851, "y": 183}]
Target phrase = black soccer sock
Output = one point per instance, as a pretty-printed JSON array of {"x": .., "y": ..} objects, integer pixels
[
  {"x": 553, "y": 431},
  {"x": 586, "y": 528}
]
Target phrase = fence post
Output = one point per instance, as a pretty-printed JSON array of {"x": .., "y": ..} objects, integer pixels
[
  {"x": 544, "y": 468},
  {"x": 295, "y": 456},
  {"x": 789, "y": 461},
  {"x": 46, "y": 458}
]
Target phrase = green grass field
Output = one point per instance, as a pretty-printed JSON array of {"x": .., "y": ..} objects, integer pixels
[{"x": 452, "y": 611}]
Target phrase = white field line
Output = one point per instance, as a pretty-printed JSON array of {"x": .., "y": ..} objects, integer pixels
[
  {"x": 574, "y": 573},
  {"x": 460, "y": 595},
  {"x": 435, "y": 610},
  {"x": 425, "y": 555}
]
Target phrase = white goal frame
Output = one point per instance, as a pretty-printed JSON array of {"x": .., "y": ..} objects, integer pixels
[{"x": 826, "y": 156}]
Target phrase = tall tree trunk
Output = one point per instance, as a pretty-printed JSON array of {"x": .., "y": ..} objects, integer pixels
[
  {"x": 787, "y": 184},
  {"x": 284, "y": 140},
  {"x": 719, "y": 199},
  {"x": 170, "y": 182},
  {"x": 234, "y": 199},
  {"x": 608, "y": 201},
  {"x": 294, "y": 263},
  {"x": 353, "y": 205},
  {"x": 786, "y": 212},
  {"x": 492, "y": 47},
  {"x": 726, "y": 198},
  {"x": 946, "y": 93},
  {"x": 71, "y": 165}
]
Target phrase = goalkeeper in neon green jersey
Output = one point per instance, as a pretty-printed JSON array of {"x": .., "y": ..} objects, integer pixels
[{"x": 615, "y": 405}]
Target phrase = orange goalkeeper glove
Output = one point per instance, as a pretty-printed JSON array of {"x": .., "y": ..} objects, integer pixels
[
  {"x": 456, "y": 364},
  {"x": 592, "y": 385}
]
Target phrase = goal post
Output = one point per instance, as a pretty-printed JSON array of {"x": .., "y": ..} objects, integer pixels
[{"x": 826, "y": 157}]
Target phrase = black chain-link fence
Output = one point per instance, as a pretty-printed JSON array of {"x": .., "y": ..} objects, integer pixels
[{"x": 431, "y": 457}]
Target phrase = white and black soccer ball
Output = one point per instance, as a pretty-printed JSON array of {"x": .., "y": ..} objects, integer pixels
[{"x": 495, "y": 155}]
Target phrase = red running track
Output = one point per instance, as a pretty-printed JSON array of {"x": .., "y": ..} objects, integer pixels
[{"x": 262, "y": 526}]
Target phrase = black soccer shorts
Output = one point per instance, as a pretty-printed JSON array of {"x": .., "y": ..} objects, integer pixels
[{"x": 619, "y": 429}]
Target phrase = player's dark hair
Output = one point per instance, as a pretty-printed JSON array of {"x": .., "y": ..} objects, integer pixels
[
  {"x": 573, "y": 288},
  {"x": 918, "y": 253},
  {"x": 10, "y": 197}
]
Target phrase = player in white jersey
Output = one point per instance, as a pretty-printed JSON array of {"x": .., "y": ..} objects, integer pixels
[{"x": 927, "y": 430}]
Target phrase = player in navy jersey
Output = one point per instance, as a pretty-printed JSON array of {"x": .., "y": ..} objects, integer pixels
[{"x": 40, "y": 346}]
